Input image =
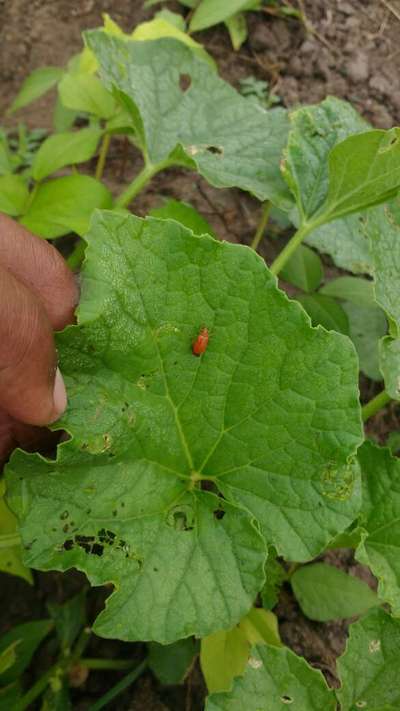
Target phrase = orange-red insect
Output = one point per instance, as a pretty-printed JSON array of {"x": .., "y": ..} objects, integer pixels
[{"x": 200, "y": 344}]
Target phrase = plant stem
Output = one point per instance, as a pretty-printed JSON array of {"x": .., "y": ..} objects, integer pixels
[
  {"x": 373, "y": 406},
  {"x": 119, "y": 688},
  {"x": 105, "y": 663},
  {"x": 75, "y": 259},
  {"x": 105, "y": 144},
  {"x": 261, "y": 225},
  {"x": 57, "y": 669},
  {"x": 7, "y": 540},
  {"x": 140, "y": 182},
  {"x": 38, "y": 688},
  {"x": 291, "y": 247}
]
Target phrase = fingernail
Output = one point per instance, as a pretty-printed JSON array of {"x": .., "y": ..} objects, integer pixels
[{"x": 59, "y": 395}]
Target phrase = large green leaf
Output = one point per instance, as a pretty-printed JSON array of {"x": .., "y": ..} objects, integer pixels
[
  {"x": 345, "y": 240},
  {"x": 65, "y": 149},
  {"x": 275, "y": 678},
  {"x": 380, "y": 520},
  {"x": 314, "y": 131},
  {"x": 65, "y": 205},
  {"x": 383, "y": 225},
  {"x": 369, "y": 668},
  {"x": 367, "y": 325},
  {"x": 389, "y": 357},
  {"x": 364, "y": 170},
  {"x": 327, "y": 593},
  {"x": 35, "y": 85},
  {"x": 182, "y": 102},
  {"x": 335, "y": 166},
  {"x": 268, "y": 415}
]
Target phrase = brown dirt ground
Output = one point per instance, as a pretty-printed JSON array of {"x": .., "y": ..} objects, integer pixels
[{"x": 351, "y": 50}]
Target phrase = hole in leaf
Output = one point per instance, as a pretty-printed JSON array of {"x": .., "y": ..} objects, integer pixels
[
  {"x": 219, "y": 514},
  {"x": 181, "y": 518},
  {"x": 185, "y": 82},
  {"x": 216, "y": 150},
  {"x": 64, "y": 515},
  {"x": 207, "y": 485},
  {"x": 96, "y": 545},
  {"x": 286, "y": 699}
]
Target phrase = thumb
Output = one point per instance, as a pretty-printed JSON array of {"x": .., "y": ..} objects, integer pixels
[{"x": 31, "y": 386}]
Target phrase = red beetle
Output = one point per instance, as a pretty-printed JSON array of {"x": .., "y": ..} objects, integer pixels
[{"x": 200, "y": 344}]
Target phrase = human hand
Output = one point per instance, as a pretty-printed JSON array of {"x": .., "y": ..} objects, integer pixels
[{"x": 38, "y": 294}]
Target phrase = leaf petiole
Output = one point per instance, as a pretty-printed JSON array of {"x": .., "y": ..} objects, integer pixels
[
  {"x": 141, "y": 180},
  {"x": 291, "y": 246},
  {"x": 261, "y": 225},
  {"x": 373, "y": 406},
  {"x": 101, "y": 161},
  {"x": 119, "y": 687}
]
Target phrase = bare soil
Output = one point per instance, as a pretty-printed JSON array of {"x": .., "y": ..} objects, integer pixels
[{"x": 350, "y": 50}]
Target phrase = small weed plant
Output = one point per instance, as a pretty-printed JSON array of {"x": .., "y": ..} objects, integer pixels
[{"x": 216, "y": 444}]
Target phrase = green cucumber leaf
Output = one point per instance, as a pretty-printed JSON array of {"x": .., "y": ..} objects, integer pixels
[
  {"x": 11, "y": 557},
  {"x": 211, "y": 12},
  {"x": 367, "y": 325},
  {"x": 383, "y": 226},
  {"x": 364, "y": 170},
  {"x": 327, "y": 593},
  {"x": 277, "y": 677},
  {"x": 65, "y": 149},
  {"x": 170, "y": 663},
  {"x": 184, "y": 213},
  {"x": 224, "y": 655},
  {"x": 28, "y": 636},
  {"x": 65, "y": 205},
  {"x": 346, "y": 241},
  {"x": 355, "y": 290},
  {"x": 86, "y": 93},
  {"x": 380, "y": 516},
  {"x": 314, "y": 131},
  {"x": 369, "y": 668},
  {"x": 389, "y": 358},
  {"x": 13, "y": 194},
  {"x": 275, "y": 576},
  {"x": 304, "y": 269},
  {"x": 35, "y": 85},
  {"x": 122, "y": 501},
  {"x": 324, "y": 311},
  {"x": 261, "y": 627},
  {"x": 182, "y": 102},
  {"x": 160, "y": 27}
]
